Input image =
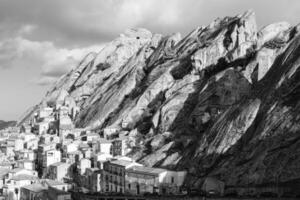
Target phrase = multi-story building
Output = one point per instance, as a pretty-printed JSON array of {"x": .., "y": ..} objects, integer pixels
[
  {"x": 111, "y": 132},
  {"x": 59, "y": 171},
  {"x": 170, "y": 182},
  {"x": 140, "y": 180},
  {"x": 27, "y": 154},
  {"x": 92, "y": 136},
  {"x": 3, "y": 178},
  {"x": 20, "y": 171},
  {"x": 8, "y": 149},
  {"x": 51, "y": 157},
  {"x": 41, "y": 127},
  {"x": 101, "y": 158},
  {"x": 104, "y": 146},
  {"x": 47, "y": 138},
  {"x": 45, "y": 189},
  {"x": 73, "y": 157},
  {"x": 31, "y": 144},
  {"x": 25, "y": 128},
  {"x": 45, "y": 147},
  {"x": 64, "y": 131},
  {"x": 94, "y": 179},
  {"x": 45, "y": 112},
  {"x": 26, "y": 164},
  {"x": 11, "y": 189},
  {"x": 19, "y": 144},
  {"x": 56, "y": 194},
  {"x": 42, "y": 155},
  {"x": 119, "y": 147},
  {"x": 70, "y": 147},
  {"x": 28, "y": 136},
  {"x": 83, "y": 164},
  {"x": 87, "y": 153},
  {"x": 114, "y": 175},
  {"x": 60, "y": 185},
  {"x": 33, "y": 191}
]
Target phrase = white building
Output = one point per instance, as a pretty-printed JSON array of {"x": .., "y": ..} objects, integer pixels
[
  {"x": 45, "y": 112},
  {"x": 32, "y": 144},
  {"x": 111, "y": 131},
  {"x": 70, "y": 147},
  {"x": 100, "y": 158},
  {"x": 83, "y": 164},
  {"x": 19, "y": 144},
  {"x": 140, "y": 179},
  {"x": 27, "y": 154},
  {"x": 12, "y": 188},
  {"x": 48, "y": 138},
  {"x": 28, "y": 136},
  {"x": 59, "y": 171},
  {"x": 51, "y": 157},
  {"x": 26, "y": 164},
  {"x": 25, "y": 128},
  {"x": 105, "y": 146},
  {"x": 59, "y": 185},
  {"x": 42, "y": 127}
]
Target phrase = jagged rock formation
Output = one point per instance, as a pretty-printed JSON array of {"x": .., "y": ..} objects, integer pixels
[{"x": 222, "y": 101}]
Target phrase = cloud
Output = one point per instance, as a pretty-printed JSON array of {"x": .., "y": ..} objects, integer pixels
[
  {"x": 53, "y": 35},
  {"x": 51, "y": 61},
  {"x": 43, "y": 39},
  {"x": 74, "y": 23},
  {"x": 45, "y": 80},
  {"x": 89, "y": 22}
]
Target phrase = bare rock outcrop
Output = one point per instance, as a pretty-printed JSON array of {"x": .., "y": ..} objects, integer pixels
[{"x": 222, "y": 101}]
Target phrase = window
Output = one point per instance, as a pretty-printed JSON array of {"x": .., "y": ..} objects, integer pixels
[
  {"x": 129, "y": 186},
  {"x": 172, "y": 180}
]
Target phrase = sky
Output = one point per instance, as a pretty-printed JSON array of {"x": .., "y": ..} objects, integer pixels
[{"x": 40, "y": 40}]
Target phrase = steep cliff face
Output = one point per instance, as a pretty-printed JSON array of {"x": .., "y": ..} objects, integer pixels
[{"x": 222, "y": 101}]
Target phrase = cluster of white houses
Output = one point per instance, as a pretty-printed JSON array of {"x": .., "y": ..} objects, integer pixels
[{"x": 46, "y": 157}]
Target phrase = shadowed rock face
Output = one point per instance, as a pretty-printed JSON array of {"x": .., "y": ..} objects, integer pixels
[{"x": 222, "y": 101}]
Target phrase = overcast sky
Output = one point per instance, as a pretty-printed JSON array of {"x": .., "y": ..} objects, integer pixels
[{"x": 42, "y": 39}]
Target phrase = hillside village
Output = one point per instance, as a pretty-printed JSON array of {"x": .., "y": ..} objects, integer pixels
[
  {"x": 48, "y": 157},
  {"x": 220, "y": 105}
]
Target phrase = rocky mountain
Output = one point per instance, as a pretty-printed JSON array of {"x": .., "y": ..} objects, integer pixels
[
  {"x": 5, "y": 124},
  {"x": 222, "y": 101}
]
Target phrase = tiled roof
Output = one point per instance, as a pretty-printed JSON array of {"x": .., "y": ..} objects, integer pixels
[
  {"x": 51, "y": 182},
  {"x": 66, "y": 126},
  {"x": 23, "y": 177},
  {"x": 123, "y": 163},
  {"x": 148, "y": 170},
  {"x": 57, "y": 191},
  {"x": 3, "y": 171},
  {"x": 37, "y": 187},
  {"x": 103, "y": 140},
  {"x": 5, "y": 163},
  {"x": 59, "y": 164}
]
